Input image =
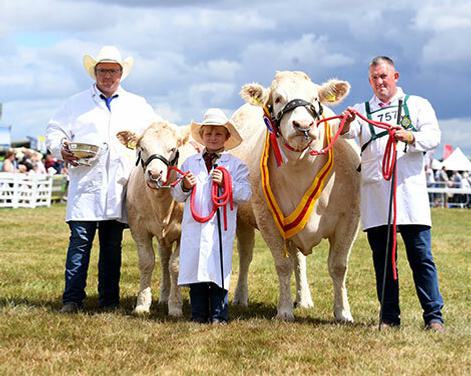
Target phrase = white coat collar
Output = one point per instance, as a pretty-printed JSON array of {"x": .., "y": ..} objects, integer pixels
[
  {"x": 223, "y": 158},
  {"x": 95, "y": 93},
  {"x": 375, "y": 101}
]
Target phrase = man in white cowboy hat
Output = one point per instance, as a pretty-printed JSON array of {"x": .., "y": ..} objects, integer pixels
[
  {"x": 96, "y": 191},
  {"x": 202, "y": 243}
]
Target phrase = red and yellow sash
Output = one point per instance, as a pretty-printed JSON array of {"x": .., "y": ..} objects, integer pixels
[{"x": 295, "y": 222}]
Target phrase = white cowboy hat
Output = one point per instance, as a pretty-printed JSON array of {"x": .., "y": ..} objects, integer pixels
[
  {"x": 107, "y": 54},
  {"x": 216, "y": 117}
]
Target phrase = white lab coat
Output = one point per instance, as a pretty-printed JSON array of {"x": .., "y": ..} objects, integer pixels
[
  {"x": 412, "y": 198},
  {"x": 96, "y": 192},
  {"x": 199, "y": 247}
]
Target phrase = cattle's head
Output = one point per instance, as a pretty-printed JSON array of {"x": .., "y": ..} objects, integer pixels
[
  {"x": 157, "y": 149},
  {"x": 296, "y": 104}
]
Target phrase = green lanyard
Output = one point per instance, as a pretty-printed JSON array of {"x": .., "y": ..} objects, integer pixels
[{"x": 405, "y": 122}]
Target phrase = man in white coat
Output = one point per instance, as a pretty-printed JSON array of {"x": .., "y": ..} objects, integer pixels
[
  {"x": 200, "y": 253},
  {"x": 96, "y": 191},
  {"x": 418, "y": 134}
]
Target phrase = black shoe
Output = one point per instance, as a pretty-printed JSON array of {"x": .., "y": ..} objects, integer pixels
[
  {"x": 70, "y": 307},
  {"x": 108, "y": 308},
  {"x": 199, "y": 320}
]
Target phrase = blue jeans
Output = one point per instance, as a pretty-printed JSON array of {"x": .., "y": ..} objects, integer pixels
[
  {"x": 82, "y": 233},
  {"x": 417, "y": 241},
  {"x": 208, "y": 302}
]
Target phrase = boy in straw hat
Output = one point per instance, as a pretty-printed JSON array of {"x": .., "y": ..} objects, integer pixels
[
  {"x": 200, "y": 253},
  {"x": 96, "y": 191}
]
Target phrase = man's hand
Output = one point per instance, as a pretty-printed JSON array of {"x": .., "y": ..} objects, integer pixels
[
  {"x": 350, "y": 114},
  {"x": 189, "y": 181},
  {"x": 217, "y": 177},
  {"x": 405, "y": 136},
  {"x": 67, "y": 155}
]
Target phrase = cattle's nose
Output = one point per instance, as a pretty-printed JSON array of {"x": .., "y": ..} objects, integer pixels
[
  {"x": 154, "y": 174},
  {"x": 303, "y": 125}
]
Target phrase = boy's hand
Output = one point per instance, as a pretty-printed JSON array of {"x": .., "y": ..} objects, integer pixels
[
  {"x": 189, "y": 181},
  {"x": 217, "y": 177}
]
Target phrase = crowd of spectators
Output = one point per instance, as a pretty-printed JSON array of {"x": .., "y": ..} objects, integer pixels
[
  {"x": 441, "y": 178},
  {"x": 28, "y": 161}
]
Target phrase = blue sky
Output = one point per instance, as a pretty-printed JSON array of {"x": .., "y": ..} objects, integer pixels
[{"x": 191, "y": 55}]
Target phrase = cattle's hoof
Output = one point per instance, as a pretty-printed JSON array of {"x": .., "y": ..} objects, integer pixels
[
  {"x": 304, "y": 303},
  {"x": 241, "y": 301},
  {"x": 175, "y": 312},
  {"x": 141, "y": 311},
  {"x": 284, "y": 316},
  {"x": 344, "y": 317}
]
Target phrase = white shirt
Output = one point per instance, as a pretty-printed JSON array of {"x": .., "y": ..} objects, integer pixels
[
  {"x": 96, "y": 192},
  {"x": 199, "y": 246},
  {"x": 412, "y": 199}
]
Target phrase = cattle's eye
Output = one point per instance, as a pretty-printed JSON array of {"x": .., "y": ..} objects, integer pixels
[{"x": 277, "y": 100}]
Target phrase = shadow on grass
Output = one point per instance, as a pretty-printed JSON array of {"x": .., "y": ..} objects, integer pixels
[{"x": 158, "y": 312}]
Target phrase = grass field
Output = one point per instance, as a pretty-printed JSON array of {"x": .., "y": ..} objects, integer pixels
[{"x": 36, "y": 340}]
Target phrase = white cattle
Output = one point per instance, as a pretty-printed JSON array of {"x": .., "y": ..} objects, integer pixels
[
  {"x": 335, "y": 214},
  {"x": 152, "y": 211}
]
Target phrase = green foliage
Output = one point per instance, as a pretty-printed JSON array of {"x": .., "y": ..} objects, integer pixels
[{"x": 36, "y": 340}]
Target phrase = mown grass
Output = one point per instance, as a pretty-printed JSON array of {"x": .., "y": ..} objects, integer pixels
[{"x": 36, "y": 340}]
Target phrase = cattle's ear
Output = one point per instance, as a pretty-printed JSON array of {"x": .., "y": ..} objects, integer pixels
[
  {"x": 333, "y": 91},
  {"x": 254, "y": 94},
  {"x": 128, "y": 139}
]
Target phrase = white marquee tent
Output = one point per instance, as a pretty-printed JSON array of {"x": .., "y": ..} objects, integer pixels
[
  {"x": 436, "y": 164},
  {"x": 457, "y": 161}
]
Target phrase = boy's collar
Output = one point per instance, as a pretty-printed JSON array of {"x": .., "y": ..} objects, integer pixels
[
  {"x": 217, "y": 152},
  {"x": 222, "y": 155}
]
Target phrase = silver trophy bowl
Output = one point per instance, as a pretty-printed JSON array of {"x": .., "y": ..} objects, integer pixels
[{"x": 86, "y": 153}]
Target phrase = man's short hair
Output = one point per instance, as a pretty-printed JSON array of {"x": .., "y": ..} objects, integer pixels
[{"x": 381, "y": 59}]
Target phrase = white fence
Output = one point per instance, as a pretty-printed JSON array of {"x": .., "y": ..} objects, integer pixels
[
  {"x": 25, "y": 191},
  {"x": 449, "y": 197}
]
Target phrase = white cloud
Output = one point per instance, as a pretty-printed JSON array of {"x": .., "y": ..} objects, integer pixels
[
  {"x": 213, "y": 93},
  {"x": 448, "y": 15},
  {"x": 449, "y": 27},
  {"x": 165, "y": 111},
  {"x": 30, "y": 117},
  {"x": 262, "y": 59},
  {"x": 222, "y": 70}
]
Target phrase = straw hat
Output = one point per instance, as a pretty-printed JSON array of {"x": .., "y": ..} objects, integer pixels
[
  {"x": 107, "y": 54},
  {"x": 216, "y": 117}
]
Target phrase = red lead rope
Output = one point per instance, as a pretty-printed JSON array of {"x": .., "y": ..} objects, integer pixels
[
  {"x": 389, "y": 153},
  {"x": 388, "y": 167},
  {"x": 217, "y": 200},
  {"x": 222, "y": 200}
]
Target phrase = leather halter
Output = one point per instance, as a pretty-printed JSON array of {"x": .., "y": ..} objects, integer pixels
[
  {"x": 172, "y": 162},
  {"x": 291, "y": 105}
]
